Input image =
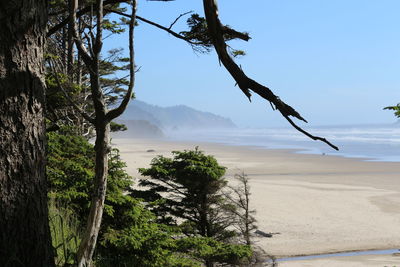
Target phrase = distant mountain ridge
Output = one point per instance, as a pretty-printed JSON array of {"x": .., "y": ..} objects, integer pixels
[{"x": 176, "y": 117}]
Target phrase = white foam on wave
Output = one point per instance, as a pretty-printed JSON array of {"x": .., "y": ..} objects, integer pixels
[{"x": 380, "y": 143}]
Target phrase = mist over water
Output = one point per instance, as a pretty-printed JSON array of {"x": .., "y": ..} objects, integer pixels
[{"x": 370, "y": 142}]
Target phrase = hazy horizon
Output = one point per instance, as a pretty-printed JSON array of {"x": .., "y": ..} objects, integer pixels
[{"x": 284, "y": 125}]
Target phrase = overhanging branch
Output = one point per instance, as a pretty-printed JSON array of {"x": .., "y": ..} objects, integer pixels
[
  {"x": 246, "y": 84},
  {"x": 106, "y": 3},
  {"x": 177, "y": 35}
]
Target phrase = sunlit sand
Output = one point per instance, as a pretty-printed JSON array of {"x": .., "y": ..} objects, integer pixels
[{"x": 312, "y": 203}]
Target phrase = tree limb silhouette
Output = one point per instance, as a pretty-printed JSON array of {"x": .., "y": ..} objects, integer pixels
[{"x": 246, "y": 84}]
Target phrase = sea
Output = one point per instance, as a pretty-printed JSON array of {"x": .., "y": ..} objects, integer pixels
[{"x": 367, "y": 142}]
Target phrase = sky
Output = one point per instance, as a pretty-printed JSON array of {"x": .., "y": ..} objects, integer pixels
[{"x": 336, "y": 62}]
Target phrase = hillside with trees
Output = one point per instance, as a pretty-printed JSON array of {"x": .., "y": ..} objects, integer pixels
[{"x": 176, "y": 117}]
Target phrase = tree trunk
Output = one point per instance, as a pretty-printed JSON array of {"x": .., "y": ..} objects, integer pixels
[
  {"x": 102, "y": 148},
  {"x": 24, "y": 229},
  {"x": 204, "y": 224},
  {"x": 102, "y": 120}
]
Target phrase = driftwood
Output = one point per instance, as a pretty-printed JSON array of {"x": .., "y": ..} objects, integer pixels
[{"x": 264, "y": 234}]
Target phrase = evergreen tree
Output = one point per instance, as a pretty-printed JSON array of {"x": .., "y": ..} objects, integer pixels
[
  {"x": 190, "y": 187},
  {"x": 189, "y": 190},
  {"x": 130, "y": 234}
]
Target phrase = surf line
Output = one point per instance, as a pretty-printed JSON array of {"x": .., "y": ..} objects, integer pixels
[{"x": 340, "y": 254}]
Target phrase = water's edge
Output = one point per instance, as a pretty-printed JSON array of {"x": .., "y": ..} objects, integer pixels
[
  {"x": 340, "y": 254},
  {"x": 369, "y": 143}
]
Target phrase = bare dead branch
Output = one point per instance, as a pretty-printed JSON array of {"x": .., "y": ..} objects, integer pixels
[
  {"x": 78, "y": 41},
  {"x": 81, "y": 12},
  {"x": 177, "y": 35},
  {"x": 110, "y": 2},
  {"x": 310, "y": 135},
  {"x": 176, "y": 20},
  {"x": 216, "y": 31},
  {"x": 69, "y": 98},
  {"x": 99, "y": 34}
]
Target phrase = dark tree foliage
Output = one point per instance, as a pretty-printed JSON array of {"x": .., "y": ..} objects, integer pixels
[
  {"x": 210, "y": 250},
  {"x": 199, "y": 36},
  {"x": 130, "y": 234},
  {"x": 189, "y": 186},
  {"x": 70, "y": 173},
  {"x": 396, "y": 110}
]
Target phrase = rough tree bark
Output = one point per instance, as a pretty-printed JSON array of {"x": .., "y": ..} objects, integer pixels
[{"x": 24, "y": 230}]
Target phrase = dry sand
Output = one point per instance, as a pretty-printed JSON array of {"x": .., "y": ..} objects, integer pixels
[{"x": 317, "y": 204}]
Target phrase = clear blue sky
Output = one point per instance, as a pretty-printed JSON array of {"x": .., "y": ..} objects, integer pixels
[{"x": 336, "y": 61}]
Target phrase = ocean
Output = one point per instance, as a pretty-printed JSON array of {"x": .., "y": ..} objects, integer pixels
[{"x": 367, "y": 142}]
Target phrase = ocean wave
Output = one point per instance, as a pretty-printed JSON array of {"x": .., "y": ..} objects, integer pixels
[{"x": 375, "y": 143}]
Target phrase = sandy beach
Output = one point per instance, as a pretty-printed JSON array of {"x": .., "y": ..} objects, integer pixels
[{"x": 315, "y": 203}]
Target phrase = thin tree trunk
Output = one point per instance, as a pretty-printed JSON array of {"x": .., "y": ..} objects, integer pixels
[
  {"x": 24, "y": 229},
  {"x": 102, "y": 120},
  {"x": 102, "y": 148},
  {"x": 70, "y": 51}
]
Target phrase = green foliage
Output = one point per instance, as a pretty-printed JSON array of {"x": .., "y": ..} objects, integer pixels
[
  {"x": 198, "y": 32},
  {"x": 199, "y": 35},
  {"x": 130, "y": 235},
  {"x": 396, "y": 110},
  {"x": 70, "y": 170},
  {"x": 139, "y": 241},
  {"x": 64, "y": 228},
  {"x": 237, "y": 53},
  {"x": 116, "y": 127},
  {"x": 190, "y": 185},
  {"x": 113, "y": 26},
  {"x": 74, "y": 80},
  {"x": 210, "y": 250}
]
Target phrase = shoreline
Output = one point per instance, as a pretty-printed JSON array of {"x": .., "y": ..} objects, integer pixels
[
  {"x": 300, "y": 151},
  {"x": 351, "y": 253},
  {"x": 353, "y": 141},
  {"x": 354, "y": 258},
  {"x": 319, "y": 204}
]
